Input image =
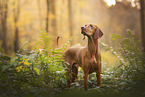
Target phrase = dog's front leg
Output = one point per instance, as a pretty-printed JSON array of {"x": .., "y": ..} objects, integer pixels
[
  {"x": 98, "y": 73},
  {"x": 85, "y": 81}
]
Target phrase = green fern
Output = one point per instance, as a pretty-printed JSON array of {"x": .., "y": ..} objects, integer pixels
[
  {"x": 1, "y": 50},
  {"x": 44, "y": 41},
  {"x": 131, "y": 50}
]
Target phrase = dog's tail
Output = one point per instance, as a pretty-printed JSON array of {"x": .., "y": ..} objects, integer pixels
[{"x": 57, "y": 41}]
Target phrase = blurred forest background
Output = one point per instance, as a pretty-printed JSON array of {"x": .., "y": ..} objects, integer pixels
[
  {"x": 31, "y": 61},
  {"x": 22, "y": 20}
]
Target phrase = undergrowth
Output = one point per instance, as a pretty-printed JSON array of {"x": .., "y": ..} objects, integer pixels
[{"x": 41, "y": 71}]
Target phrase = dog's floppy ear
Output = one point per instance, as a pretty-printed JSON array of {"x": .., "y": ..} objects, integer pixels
[{"x": 98, "y": 33}]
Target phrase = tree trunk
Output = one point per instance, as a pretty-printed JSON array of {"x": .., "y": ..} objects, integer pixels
[
  {"x": 53, "y": 22},
  {"x": 39, "y": 14},
  {"x": 70, "y": 19},
  {"x": 16, "y": 11},
  {"x": 142, "y": 10},
  {"x": 47, "y": 14},
  {"x": 3, "y": 12}
]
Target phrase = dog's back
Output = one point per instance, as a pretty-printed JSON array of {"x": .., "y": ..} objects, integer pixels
[{"x": 73, "y": 55}]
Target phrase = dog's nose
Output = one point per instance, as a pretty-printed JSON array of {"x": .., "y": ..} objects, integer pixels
[{"x": 82, "y": 28}]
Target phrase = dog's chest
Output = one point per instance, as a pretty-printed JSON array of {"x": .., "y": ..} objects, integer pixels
[
  {"x": 91, "y": 70},
  {"x": 92, "y": 66}
]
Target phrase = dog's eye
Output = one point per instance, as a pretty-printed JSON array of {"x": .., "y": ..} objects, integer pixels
[{"x": 91, "y": 26}]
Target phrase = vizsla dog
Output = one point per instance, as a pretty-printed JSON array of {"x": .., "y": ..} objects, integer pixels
[{"x": 86, "y": 57}]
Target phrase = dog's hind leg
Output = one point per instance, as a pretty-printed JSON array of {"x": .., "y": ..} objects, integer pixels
[{"x": 74, "y": 72}]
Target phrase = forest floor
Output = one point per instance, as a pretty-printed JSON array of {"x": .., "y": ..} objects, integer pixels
[{"x": 112, "y": 86}]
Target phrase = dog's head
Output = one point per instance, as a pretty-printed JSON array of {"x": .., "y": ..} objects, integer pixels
[{"x": 91, "y": 30}]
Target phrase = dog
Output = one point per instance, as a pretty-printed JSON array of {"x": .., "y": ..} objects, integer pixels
[{"x": 87, "y": 57}]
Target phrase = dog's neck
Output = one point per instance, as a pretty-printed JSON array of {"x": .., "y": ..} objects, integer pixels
[{"x": 92, "y": 46}]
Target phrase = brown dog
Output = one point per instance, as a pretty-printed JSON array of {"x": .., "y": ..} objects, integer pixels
[{"x": 88, "y": 57}]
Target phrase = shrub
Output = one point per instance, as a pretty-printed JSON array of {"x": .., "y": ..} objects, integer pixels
[
  {"x": 133, "y": 56},
  {"x": 132, "y": 68},
  {"x": 41, "y": 69}
]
